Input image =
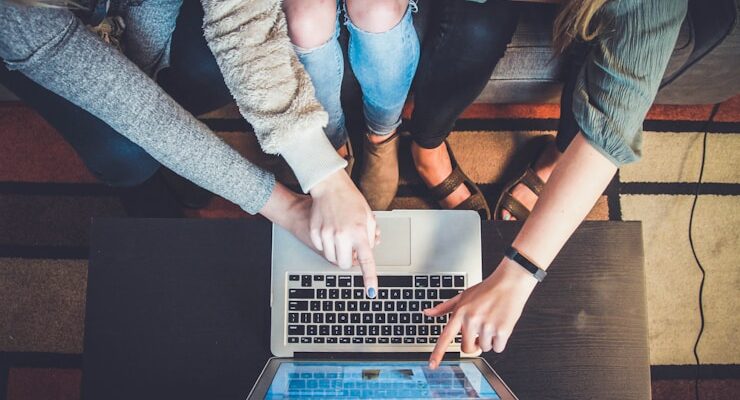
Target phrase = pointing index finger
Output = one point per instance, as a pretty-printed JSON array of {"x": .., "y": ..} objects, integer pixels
[
  {"x": 448, "y": 334},
  {"x": 367, "y": 264}
]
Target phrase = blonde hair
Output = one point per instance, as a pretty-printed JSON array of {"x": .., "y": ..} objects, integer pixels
[{"x": 576, "y": 21}]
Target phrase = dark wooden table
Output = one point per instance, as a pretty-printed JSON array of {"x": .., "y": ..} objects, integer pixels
[{"x": 180, "y": 309}]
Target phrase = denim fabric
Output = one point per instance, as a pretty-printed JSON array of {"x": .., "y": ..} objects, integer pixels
[
  {"x": 384, "y": 64},
  {"x": 325, "y": 66}
]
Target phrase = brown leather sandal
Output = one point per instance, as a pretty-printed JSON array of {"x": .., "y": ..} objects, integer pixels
[
  {"x": 529, "y": 178},
  {"x": 475, "y": 202}
]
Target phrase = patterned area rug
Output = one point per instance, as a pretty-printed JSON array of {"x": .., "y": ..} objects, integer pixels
[{"x": 47, "y": 198}]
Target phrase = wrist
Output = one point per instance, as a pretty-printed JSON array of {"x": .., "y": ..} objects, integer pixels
[
  {"x": 282, "y": 204},
  {"x": 513, "y": 273},
  {"x": 329, "y": 184}
]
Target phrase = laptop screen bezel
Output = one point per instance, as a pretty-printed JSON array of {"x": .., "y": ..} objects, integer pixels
[{"x": 273, "y": 364}]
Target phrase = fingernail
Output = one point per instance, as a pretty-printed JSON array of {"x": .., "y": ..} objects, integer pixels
[
  {"x": 371, "y": 292},
  {"x": 431, "y": 364},
  {"x": 507, "y": 217}
]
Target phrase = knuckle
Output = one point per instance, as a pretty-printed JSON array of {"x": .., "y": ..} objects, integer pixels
[{"x": 503, "y": 332}]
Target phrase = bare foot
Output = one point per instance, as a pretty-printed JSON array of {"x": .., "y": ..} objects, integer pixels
[
  {"x": 543, "y": 168},
  {"x": 343, "y": 151},
  {"x": 434, "y": 165}
]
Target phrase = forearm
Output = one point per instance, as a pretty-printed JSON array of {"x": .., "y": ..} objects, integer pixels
[{"x": 578, "y": 180}]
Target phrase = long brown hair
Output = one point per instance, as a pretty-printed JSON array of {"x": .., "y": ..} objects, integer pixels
[{"x": 576, "y": 21}]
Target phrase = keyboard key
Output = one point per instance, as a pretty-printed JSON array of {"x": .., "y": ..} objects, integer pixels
[
  {"x": 421, "y": 340},
  {"x": 396, "y": 340},
  {"x": 324, "y": 330},
  {"x": 426, "y": 304},
  {"x": 420, "y": 294},
  {"x": 382, "y": 294},
  {"x": 428, "y": 319},
  {"x": 318, "y": 318},
  {"x": 432, "y": 294},
  {"x": 394, "y": 281},
  {"x": 354, "y": 318},
  {"x": 358, "y": 294},
  {"x": 312, "y": 330},
  {"x": 327, "y": 305},
  {"x": 349, "y": 330},
  {"x": 408, "y": 340},
  {"x": 330, "y": 318},
  {"x": 336, "y": 330},
  {"x": 402, "y": 306},
  {"x": 331, "y": 340},
  {"x": 361, "y": 330},
  {"x": 379, "y": 318},
  {"x": 392, "y": 318},
  {"x": 424, "y": 330},
  {"x": 298, "y": 305},
  {"x": 346, "y": 294},
  {"x": 421, "y": 281},
  {"x": 294, "y": 278},
  {"x": 367, "y": 318},
  {"x": 318, "y": 340},
  {"x": 447, "y": 281},
  {"x": 293, "y": 317},
  {"x": 414, "y": 306},
  {"x": 395, "y": 294},
  {"x": 442, "y": 319},
  {"x": 410, "y": 330},
  {"x": 306, "y": 280},
  {"x": 373, "y": 330},
  {"x": 356, "y": 340},
  {"x": 296, "y": 330},
  {"x": 416, "y": 318},
  {"x": 334, "y": 293},
  {"x": 351, "y": 306},
  {"x": 376, "y": 306},
  {"x": 340, "y": 305},
  {"x": 385, "y": 330},
  {"x": 458, "y": 339},
  {"x": 449, "y": 293},
  {"x": 397, "y": 330},
  {"x": 405, "y": 318},
  {"x": 436, "y": 330},
  {"x": 364, "y": 305},
  {"x": 433, "y": 340},
  {"x": 459, "y": 281},
  {"x": 318, "y": 278},
  {"x": 342, "y": 318},
  {"x": 321, "y": 293},
  {"x": 315, "y": 305},
  {"x": 331, "y": 281},
  {"x": 358, "y": 282},
  {"x": 383, "y": 340},
  {"x": 305, "y": 340},
  {"x": 345, "y": 281},
  {"x": 407, "y": 294},
  {"x": 370, "y": 340},
  {"x": 389, "y": 306},
  {"x": 434, "y": 281},
  {"x": 344, "y": 340},
  {"x": 292, "y": 339},
  {"x": 305, "y": 318}
]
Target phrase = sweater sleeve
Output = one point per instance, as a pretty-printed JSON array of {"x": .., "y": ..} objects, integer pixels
[
  {"x": 55, "y": 50},
  {"x": 622, "y": 74},
  {"x": 250, "y": 41}
]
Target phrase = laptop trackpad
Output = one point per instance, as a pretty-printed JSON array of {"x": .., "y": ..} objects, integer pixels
[{"x": 395, "y": 242}]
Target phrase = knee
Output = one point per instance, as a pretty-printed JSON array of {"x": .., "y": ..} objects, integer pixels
[
  {"x": 376, "y": 16},
  {"x": 125, "y": 166},
  {"x": 311, "y": 23}
]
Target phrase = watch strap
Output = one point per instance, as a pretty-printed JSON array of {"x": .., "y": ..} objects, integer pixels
[{"x": 514, "y": 255}]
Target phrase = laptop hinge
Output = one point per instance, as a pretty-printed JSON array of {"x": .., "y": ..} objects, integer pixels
[{"x": 371, "y": 356}]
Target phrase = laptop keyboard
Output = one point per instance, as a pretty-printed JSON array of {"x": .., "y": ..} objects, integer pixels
[{"x": 333, "y": 309}]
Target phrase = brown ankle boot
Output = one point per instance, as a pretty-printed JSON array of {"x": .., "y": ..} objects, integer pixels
[{"x": 379, "y": 174}]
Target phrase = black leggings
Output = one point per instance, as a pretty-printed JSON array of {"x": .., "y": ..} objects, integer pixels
[{"x": 462, "y": 42}]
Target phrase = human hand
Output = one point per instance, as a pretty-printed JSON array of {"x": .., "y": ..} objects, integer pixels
[
  {"x": 486, "y": 313},
  {"x": 343, "y": 227}
]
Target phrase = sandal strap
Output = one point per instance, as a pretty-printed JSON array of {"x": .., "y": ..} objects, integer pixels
[
  {"x": 452, "y": 182},
  {"x": 514, "y": 206},
  {"x": 533, "y": 181},
  {"x": 476, "y": 202}
]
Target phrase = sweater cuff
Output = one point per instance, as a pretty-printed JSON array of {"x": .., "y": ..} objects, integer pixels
[{"x": 312, "y": 158}]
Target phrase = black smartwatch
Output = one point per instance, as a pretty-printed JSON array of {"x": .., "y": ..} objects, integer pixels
[{"x": 514, "y": 255}]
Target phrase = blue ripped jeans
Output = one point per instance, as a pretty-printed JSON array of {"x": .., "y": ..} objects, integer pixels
[{"x": 384, "y": 64}]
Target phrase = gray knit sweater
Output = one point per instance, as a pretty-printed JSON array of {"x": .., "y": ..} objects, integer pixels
[{"x": 249, "y": 40}]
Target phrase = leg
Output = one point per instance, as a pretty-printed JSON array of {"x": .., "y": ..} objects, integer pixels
[
  {"x": 464, "y": 42},
  {"x": 383, "y": 52},
  {"x": 567, "y": 130},
  {"x": 313, "y": 28}
]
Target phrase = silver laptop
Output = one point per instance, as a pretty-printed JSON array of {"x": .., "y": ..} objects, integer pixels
[{"x": 322, "y": 319}]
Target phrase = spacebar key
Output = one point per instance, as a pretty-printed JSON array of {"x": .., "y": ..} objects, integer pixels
[{"x": 395, "y": 281}]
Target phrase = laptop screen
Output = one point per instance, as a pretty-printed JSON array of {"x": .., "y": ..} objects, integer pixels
[{"x": 374, "y": 380}]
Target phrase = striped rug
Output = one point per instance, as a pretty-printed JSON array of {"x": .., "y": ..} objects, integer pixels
[{"x": 47, "y": 199}]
